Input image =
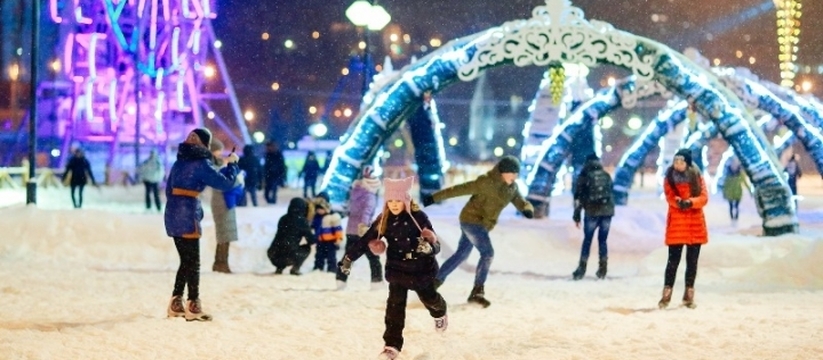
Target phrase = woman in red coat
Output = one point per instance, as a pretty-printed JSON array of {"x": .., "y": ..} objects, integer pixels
[{"x": 685, "y": 224}]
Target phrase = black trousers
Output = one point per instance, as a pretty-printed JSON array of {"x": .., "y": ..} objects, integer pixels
[
  {"x": 77, "y": 201},
  {"x": 271, "y": 191},
  {"x": 396, "y": 310},
  {"x": 675, "y": 253},
  {"x": 189, "y": 271},
  {"x": 374, "y": 261},
  {"x": 251, "y": 190},
  {"x": 152, "y": 190},
  {"x": 309, "y": 184},
  {"x": 734, "y": 209}
]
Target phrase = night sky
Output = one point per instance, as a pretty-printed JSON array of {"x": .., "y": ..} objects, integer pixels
[{"x": 308, "y": 72}]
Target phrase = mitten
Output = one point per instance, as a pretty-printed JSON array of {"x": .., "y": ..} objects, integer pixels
[
  {"x": 429, "y": 235},
  {"x": 529, "y": 214},
  {"x": 424, "y": 247},
  {"x": 345, "y": 265},
  {"x": 427, "y": 199},
  {"x": 684, "y": 204},
  {"x": 377, "y": 246}
]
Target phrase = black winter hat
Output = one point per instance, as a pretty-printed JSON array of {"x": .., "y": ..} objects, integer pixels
[
  {"x": 686, "y": 154},
  {"x": 204, "y": 135},
  {"x": 508, "y": 164}
]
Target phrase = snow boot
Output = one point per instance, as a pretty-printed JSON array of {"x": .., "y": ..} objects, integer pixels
[
  {"x": 278, "y": 271},
  {"x": 581, "y": 270},
  {"x": 194, "y": 312},
  {"x": 666, "y": 298},
  {"x": 389, "y": 353},
  {"x": 221, "y": 259},
  {"x": 477, "y": 296},
  {"x": 601, "y": 269},
  {"x": 437, "y": 283},
  {"x": 295, "y": 270},
  {"x": 175, "y": 308},
  {"x": 688, "y": 298},
  {"x": 441, "y": 324}
]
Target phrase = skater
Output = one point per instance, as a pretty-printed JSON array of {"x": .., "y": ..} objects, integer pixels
[
  {"x": 362, "y": 205},
  {"x": 250, "y": 163},
  {"x": 686, "y": 225},
  {"x": 151, "y": 173},
  {"x": 309, "y": 173},
  {"x": 328, "y": 230},
  {"x": 733, "y": 187},
  {"x": 490, "y": 192},
  {"x": 223, "y": 211},
  {"x": 593, "y": 193},
  {"x": 275, "y": 170},
  {"x": 189, "y": 176},
  {"x": 793, "y": 173},
  {"x": 77, "y": 175},
  {"x": 410, "y": 261},
  {"x": 292, "y": 242}
]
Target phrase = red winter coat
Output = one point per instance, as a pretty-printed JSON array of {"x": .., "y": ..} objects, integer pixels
[{"x": 686, "y": 226}]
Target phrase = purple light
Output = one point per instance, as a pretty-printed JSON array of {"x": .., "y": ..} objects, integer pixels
[
  {"x": 53, "y": 12},
  {"x": 112, "y": 102},
  {"x": 78, "y": 14},
  {"x": 67, "y": 59},
  {"x": 166, "y": 10},
  {"x": 175, "y": 47},
  {"x": 158, "y": 81}
]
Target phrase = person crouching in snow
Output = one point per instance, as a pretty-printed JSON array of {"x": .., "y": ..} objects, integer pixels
[
  {"x": 292, "y": 242},
  {"x": 189, "y": 176},
  {"x": 410, "y": 261},
  {"x": 362, "y": 205},
  {"x": 223, "y": 211},
  {"x": 686, "y": 225},
  {"x": 328, "y": 229}
]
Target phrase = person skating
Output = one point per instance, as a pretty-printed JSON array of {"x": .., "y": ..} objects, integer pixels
[
  {"x": 686, "y": 224},
  {"x": 151, "y": 173},
  {"x": 593, "y": 193},
  {"x": 490, "y": 193},
  {"x": 292, "y": 242},
  {"x": 250, "y": 164},
  {"x": 274, "y": 168},
  {"x": 189, "y": 176},
  {"x": 362, "y": 205},
  {"x": 410, "y": 261},
  {"x": 733, "y": 184},
  {"x": 78, "y": 173},
  {"x": 309, "y": 173},
  {"x": 223, "y": 211}
]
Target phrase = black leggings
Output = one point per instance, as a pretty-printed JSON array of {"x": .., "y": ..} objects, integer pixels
[
  {"x": 675, "y": 253},
  {"x": 396, "y": 310},
  {"x": 152, "y": 190},
  {"x": 734, "y": 209},
  {"x": 189, "y": 270},
  {"x": 77, "y": 201}
]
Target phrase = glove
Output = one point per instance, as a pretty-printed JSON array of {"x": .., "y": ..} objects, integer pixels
[
  {"x": 429, "y": 236},
  {"x": 684, "y": 204},
  {"x": 427, "y": 199},
  {"x": 529, "y": 214},
  {"x": 423, "y": 247},
  {"x": 232, "y": 158},
  {"x": 377, "y": 246},
  {"x": 345, "y": 265}
]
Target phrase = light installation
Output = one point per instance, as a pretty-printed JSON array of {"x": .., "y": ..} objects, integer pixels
[{"x": 788, "y": 36}]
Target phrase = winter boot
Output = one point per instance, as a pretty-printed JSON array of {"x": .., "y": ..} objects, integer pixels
[
  {"x": 278, "y": 271},
  {"x": 389, "y": 353},
  {"x": 477, "y": 296},
  {"x": 295, "y": 270},
  {"x": 221, "y": 259},
  {"x": 437, "y": 283},
  {"x": 688, "y": 298},
  {"x": 666, "y": 298},
  {"x": 194, "y": 312},
  {"x": 176, "y": 307},
  {"x": 581, "y": 270},
  {"x": 441, "y": 323},
  {"x": 601, "y": 269}
]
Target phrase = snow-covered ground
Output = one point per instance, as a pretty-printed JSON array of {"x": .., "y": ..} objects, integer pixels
[{"x": 94, "y": 284}]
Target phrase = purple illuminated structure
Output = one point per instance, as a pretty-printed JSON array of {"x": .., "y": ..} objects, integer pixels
[{"x": 169, "y": 44}]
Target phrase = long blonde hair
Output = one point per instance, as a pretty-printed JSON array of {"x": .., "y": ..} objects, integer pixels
[{"x": 383, "y": 222}]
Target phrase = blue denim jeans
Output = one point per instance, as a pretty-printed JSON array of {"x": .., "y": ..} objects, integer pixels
[
  {"x": 474, "y": 235},
  {"x": 590, "y": 223}
]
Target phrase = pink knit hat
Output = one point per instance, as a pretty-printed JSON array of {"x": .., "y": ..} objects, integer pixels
[{"x": 398, "y": 189}]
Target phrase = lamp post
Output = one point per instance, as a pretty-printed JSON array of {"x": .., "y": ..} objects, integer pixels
[
  {"x": 371, "y": 17},
  {"x": 31, "y": 185}
]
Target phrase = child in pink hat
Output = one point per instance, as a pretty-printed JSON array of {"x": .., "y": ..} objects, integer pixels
[{"x": 405, "y": 234}]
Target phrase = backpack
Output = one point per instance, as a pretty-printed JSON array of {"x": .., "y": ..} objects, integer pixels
[{"x": 599, "y": 190}]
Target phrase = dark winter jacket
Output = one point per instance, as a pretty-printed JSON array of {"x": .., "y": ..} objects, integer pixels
[
  {"x": 292, "y": 228},
  {"x": 311, "y": 169},
  {"x": 250, "y": 163},
  {"x": 275, "y": 168},
  {"x": 404, "y": 265},
  {"x": 585, "y": 186},
  {"x": 189, "y": 176},
  {"x": 489, "y": 195},
  {"x": 78, "y": 171}
]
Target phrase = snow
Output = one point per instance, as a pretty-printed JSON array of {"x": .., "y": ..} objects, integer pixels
[{"x": 94, "y": 284}]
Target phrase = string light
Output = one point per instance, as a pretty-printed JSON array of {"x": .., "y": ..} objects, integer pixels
[
  {"x": 557, "y": 75},
  {"x": 788, "y": 36}
]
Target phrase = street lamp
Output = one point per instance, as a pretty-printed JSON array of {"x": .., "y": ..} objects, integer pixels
[{"x": 371, "y": 17}]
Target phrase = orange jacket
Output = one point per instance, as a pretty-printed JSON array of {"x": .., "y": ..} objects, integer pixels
[{"x": 686, "y": 226}]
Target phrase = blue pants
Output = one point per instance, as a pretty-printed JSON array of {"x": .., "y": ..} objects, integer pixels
[
  {"x": 590, "y": 223},
  {"x": 326, "y": 252},
  {"x": 474, "y": 235}
]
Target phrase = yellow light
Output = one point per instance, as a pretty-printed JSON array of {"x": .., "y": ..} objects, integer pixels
[
  {"x": 344, "y": 71},
  {"x": 806, "y": 86},
  {"x": 275, "y": 86},
  {"x": 716, "y": 62},
  {"x": 265, "y": 36},
  {"x": 453, "y": 141},
  {"x": 498, "y": 151},
  {"x": 315, "y": 35},
  {"x": 393, "y": 37},
  {"x": 398, "y": 143},
  {"x": 312, "y": 109},
  {"x": 248, "y": 115},
  {"x": 406, "y": 38},
  {"x": 346, "y": 112},
  {"x": 288, "y": 44},
  {"x": 511, "y": 142},
  {"x": 55, "y": 65},
  {"x": 738, "y": 54},
  {"x": 435, "y": 42},
  {"x": 361, "y": 45},
  {"x": 788, "y": 36},
  {"x": 752, "y": 60},
  {"x": 610, "y": 81},
  {"x": 208, "y": 71},
  {"x": 210, "y": 115},
  {"x": 338, "y": 113},
  {"x": 606, "y": 122}
]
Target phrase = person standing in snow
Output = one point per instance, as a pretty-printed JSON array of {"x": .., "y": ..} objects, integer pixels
[
  {"x": 223, "y": 211},
  {"x": 686, "y": 224},
  {"x": 490, "y": 193},
  {"x": 189, "y": 176},
  {"x": 362, "y": 205},
  {"x": 328, "y": 229},
  {"x": 151, "y": 172},
  {"x": 250, "y": 163},
  {"x": 309, "y": 173},
  {"x": 793, "y": 173},
  {"x": 593, "y": 193},
  {"x": 733, "y": 184},
  {"x": 78, "y": 173},
  {"x": 274, "y": 169},
  {"x": 294, "y": 238},
  {"x": 410, "y": 261}
]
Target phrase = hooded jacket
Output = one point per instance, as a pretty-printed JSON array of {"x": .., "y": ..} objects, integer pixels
[
  {"x": 583, "y": 187},
  {"x": 292, "y": 228},
  {"x": 686, "y": 226}
]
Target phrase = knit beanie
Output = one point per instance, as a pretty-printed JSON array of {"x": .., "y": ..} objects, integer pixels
[
  {"x": 508, "y": 164},
  {"x": 398, "y": 189},
  {"x": 204, "y": 135},
  {"x": 686, "y": 155}
]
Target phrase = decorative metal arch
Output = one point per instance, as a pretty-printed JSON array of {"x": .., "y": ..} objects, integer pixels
[{"x": 559, "y": 32}]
